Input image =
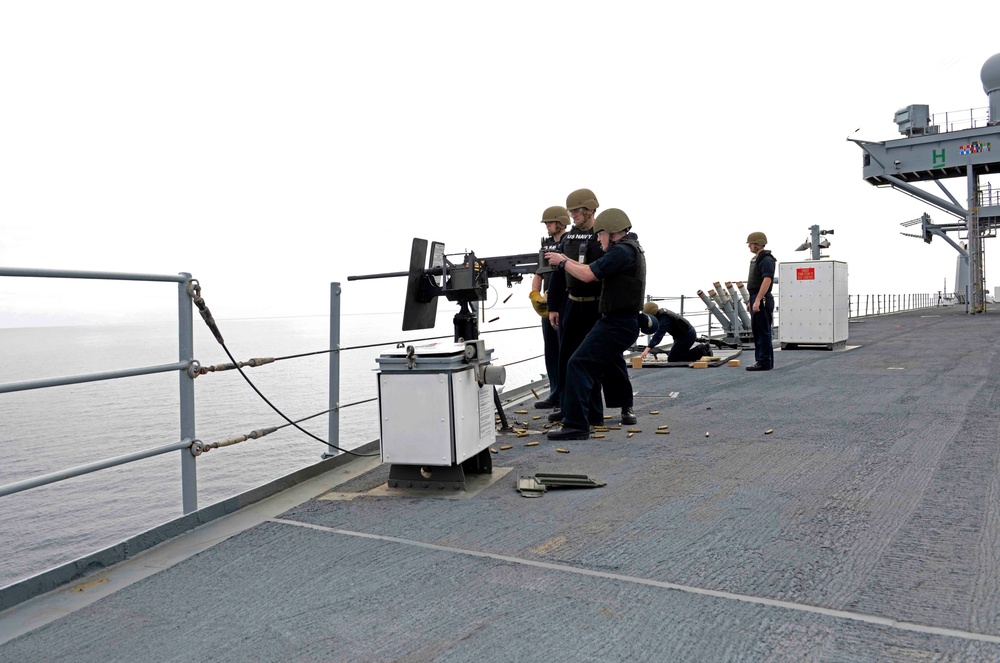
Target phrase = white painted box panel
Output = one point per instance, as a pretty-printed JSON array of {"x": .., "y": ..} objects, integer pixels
[
  {"x": 814, "y": 304},
  {"x": 474, "y": 416},
  {"x": 416, "y": 419},
  {"x": 432, "y": 410}
]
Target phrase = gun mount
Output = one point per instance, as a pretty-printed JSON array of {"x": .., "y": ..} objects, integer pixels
[{"x": 432, "y": 442}]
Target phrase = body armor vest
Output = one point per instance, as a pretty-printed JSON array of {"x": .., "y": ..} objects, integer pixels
[
  {"x": 755, "y": 278},
  {"x": 548, "y": 245},
  {"x": 674, "y": 324},
  {"x": 583, "y": 247},
  {"x": 624, "y": 291}
]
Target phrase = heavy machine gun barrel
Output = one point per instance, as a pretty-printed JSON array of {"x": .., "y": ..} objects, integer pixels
[{"x": 499, "y": 266}]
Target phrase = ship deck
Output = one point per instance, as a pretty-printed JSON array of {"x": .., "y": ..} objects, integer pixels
[{"x": 864, "y": 526}]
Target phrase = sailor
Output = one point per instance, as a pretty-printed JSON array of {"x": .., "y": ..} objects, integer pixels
[
  {"x": 682, "y": 331},
  {"x": 621, "y": 275},
  {"x": 759, "y": 282},
  {"x": 580, "y": 309},
  {"x": 556, "y": 219}
]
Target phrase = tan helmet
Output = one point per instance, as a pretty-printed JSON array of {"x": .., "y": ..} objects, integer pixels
[
  {"x": 650, "y": 308},
  {"x": 557, "y": 214},
  {"x": 757, "y": 238},
  {"x": 612, "y": 220},
  {"x": 582, "y": 198}
]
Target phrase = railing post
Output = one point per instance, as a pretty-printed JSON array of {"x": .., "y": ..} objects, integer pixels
[
  {"x": 334, "y": 420},
  {"x": 682, "y": 306},
  {"x": 185, "y": 352}
]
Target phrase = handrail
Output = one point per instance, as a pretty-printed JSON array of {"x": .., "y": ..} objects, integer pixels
[
  {"x": 103, "y": 276},
  {"x": 185, "y": 351},
  {"x": 53, "y": 477},
  {"x": 873, "y": 304},
  {"x": 10, "y": 387}
]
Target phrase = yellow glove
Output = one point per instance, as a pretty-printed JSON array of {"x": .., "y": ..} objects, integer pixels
[{"x": 538, "y": 303}]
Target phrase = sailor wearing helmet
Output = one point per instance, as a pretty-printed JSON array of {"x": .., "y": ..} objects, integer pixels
[{"x": 622, "y": 273}]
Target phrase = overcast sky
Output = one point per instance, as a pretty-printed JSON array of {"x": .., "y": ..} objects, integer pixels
[{"x": 270, "y": 148}]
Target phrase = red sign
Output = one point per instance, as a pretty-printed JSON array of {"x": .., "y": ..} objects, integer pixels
[{"x": 805, "y": 274}]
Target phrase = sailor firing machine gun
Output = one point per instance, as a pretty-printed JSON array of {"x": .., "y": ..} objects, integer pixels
[{"x": 437, "y": 402}]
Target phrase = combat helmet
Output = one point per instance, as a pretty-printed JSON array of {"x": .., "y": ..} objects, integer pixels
[
  {"x": 556, "y": 214},
  {"x": 582, "y": 198},
  {"x": 612, "y": 220},
  {"x": 757, "y": 238}
]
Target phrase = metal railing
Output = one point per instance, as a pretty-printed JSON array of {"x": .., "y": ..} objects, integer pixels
[
  {"x": 864, "y": 305},
  {"x": 971, "y": 118},
  {"x": 987, "y": 196},
  {"x": 185, "y": 368},
  {"x": 694, "y": 310},
  {"x": 188, "y": 369}
]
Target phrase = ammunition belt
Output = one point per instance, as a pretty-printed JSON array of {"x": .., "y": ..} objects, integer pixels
[{"x": 582, "y": 299}]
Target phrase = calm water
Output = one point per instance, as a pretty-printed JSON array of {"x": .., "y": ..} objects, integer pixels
[{"x": 44, "y": 431}]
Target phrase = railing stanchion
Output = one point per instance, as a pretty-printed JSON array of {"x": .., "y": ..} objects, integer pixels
[
  {"x": 185, "y": 352},
  {"x": 334, "y": 421}
]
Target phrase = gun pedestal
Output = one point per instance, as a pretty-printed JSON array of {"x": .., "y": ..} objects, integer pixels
[
  {"x": 436, "y": 417},
  {"x": 436, "y": 414}
]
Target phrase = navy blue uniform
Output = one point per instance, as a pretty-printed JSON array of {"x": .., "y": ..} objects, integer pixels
[
  {"x": 599, "y": 356},
  {"x": 579, "y": 311},
  {"x": 762, "y": 265},
  {"x": 683, "y": 334},
  {"x": 555, "y": 298}
]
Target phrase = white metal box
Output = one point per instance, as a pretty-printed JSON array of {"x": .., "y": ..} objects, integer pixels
[
  {"x": 813, "y": 303},
  {"x": 432, "y": 410}
]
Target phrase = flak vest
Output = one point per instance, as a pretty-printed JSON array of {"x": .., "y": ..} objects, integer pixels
[
  {"x": 548, "y": 245},
  {"x": 624, "y": 292},
  {"x": 583, "y": 247},
  {"x": 676, "y": 326},
  {"x": 755, "y": 278}
]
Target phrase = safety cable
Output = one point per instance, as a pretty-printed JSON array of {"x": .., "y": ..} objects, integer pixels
[
  {"x": 400, "y": 344},
  {"x": 194, "y": 290},
  {"x": 261, "y": 361},
  {"x": 521, "y": 361}
]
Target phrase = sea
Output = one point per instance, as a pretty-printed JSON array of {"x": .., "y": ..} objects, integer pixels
[{"x": 48, "y": 430}]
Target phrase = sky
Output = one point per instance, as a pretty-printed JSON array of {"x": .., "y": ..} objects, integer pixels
[{"x": 270, "y": 149}]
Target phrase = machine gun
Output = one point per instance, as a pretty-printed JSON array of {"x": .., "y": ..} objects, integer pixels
[
  {"x": 463, "y": 280},
  {"x": 434, "y": 440}
]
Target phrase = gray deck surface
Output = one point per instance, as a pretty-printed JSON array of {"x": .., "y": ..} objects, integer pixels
[{"x": 866, "y": 527}]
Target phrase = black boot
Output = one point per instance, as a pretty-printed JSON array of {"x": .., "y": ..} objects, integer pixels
[
  {"x": 568, "y": 434},
  {"x": 555, "y": 416},
  {"x": 628, "y": 417}
]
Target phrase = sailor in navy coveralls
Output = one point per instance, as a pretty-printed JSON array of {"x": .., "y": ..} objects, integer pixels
[
  {"x": 759, "y": 282},
  {"x": 622, "y": 273}
]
